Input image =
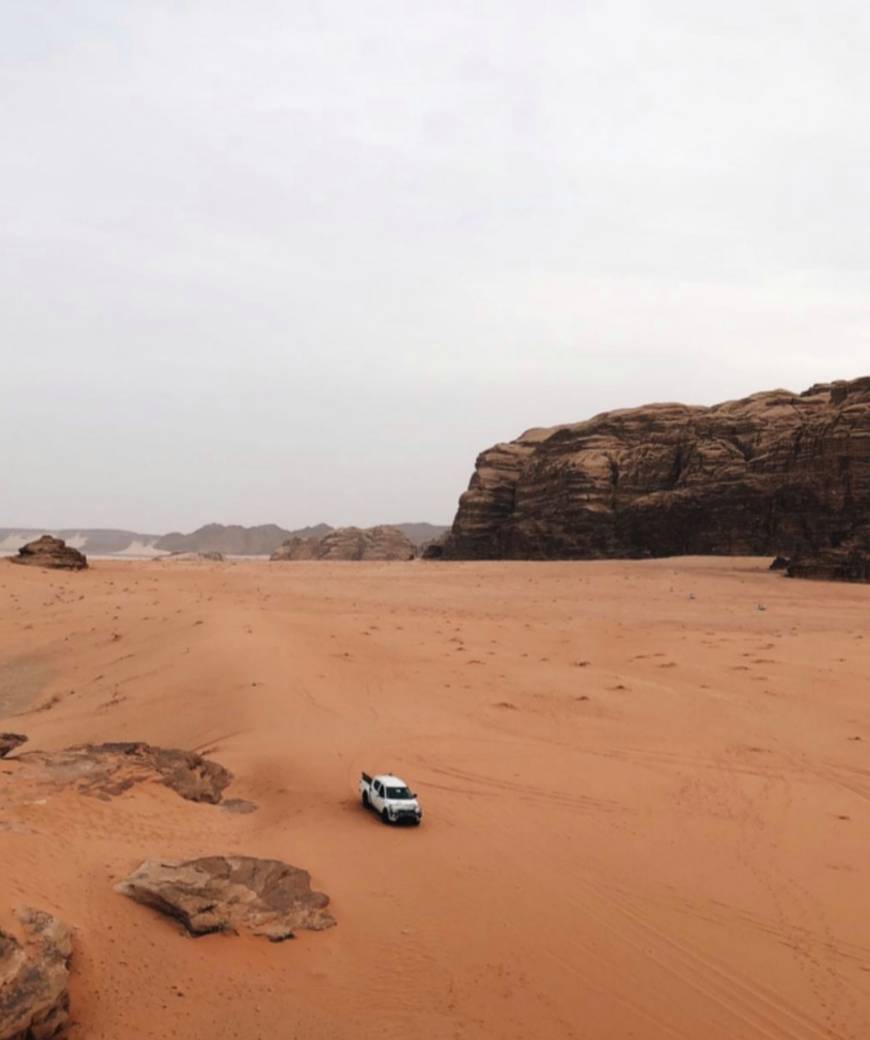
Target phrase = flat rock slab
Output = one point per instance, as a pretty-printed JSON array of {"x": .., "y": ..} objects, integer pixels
[
  {"x": 230, "y": 893},
  {"x": 34, "y": 971},
  {"x": 105, "y": 770}
]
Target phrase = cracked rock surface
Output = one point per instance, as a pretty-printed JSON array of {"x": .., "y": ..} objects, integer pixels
[
  {"x": 231, "y": 893},
  {"x": 109, "y": 769},
  {"x": 34, "y": 971}
]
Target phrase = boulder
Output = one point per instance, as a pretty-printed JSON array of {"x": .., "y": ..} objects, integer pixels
[
  {"x": 229, "y": 893},
  {"x": 106, "y": 770},
  {"x": 10, "y": 741},
  {"x": 34, "y": 971},
  {"x": 780, "y": 563},
  {"x": 51, "y": 552},
  {"x": 774, "y": 473}
]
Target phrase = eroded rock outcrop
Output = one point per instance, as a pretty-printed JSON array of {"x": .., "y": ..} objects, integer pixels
[
  {"x": 774, "y": 473},
  {"x": 297, "y": 548},
  {"x": 106, "y": 770},
  {"x": 229, "y": 893},
  {"x": 51, "y": 552},
  {"x": 34, "y": 972},
  {"x": 848, "y": 561},
  {"x": 350, "y": 543}
]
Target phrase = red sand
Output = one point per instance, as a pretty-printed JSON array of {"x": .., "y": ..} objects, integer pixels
[{"x": 646, "y": 803}]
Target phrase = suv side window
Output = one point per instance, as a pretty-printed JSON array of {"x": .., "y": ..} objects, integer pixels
[{"x": 377, "y": 787}]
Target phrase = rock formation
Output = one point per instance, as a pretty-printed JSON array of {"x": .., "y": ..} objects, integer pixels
[
  {"x": 51, "y": 552},
  {"x": 106, "y": 770},
  {"x": 187, "y": 557},
  {"x": 774, "y": 473},
  {"x": 350, "y": 543},
  {"x": 226, "y": 893},
  {"x": 297, "y": 548},
  {"x": 34, "y": 970},
  {"x": 848, "y": 561},
  {"x": 10, "y": 741}
]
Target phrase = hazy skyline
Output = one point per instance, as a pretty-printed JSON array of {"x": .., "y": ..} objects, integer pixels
[{"x": 294, "y": 262}]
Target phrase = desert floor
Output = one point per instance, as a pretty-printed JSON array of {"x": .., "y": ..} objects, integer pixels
[{"x": 646, "y": 791}]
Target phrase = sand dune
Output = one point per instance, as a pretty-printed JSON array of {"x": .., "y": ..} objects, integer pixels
[{"x": 646, "y": 797}]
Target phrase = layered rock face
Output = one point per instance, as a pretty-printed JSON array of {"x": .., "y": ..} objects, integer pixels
[
  {"x": 350, "y": 543},
  {"x": 51, "y": 552},
  {"x": 776, "y": 472}
]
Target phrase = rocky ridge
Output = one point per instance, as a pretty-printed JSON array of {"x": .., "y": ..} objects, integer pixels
[
  {"x": 350, "y": 543},
  {"x": 773, "y": 473}
]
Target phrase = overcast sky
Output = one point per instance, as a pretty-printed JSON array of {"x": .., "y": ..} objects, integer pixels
[{"x": 287, "y": 261}]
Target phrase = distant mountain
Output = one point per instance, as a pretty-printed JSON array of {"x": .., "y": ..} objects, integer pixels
[
  {"x": 264, "y": 540},
  {"x": 231, "y": 540},
  {"x": 93, "y": 541},
  {"x": 422, "y": 533},
  {"x": 317, "y": 531}
]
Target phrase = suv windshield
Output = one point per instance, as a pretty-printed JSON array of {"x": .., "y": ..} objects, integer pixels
[{"x": 399, "y": 793}]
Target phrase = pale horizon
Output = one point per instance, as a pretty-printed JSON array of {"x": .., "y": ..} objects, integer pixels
[{"x": 285, "y": 263}]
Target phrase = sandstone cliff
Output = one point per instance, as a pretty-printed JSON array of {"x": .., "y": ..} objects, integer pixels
[{"x": 776, "y": 472}]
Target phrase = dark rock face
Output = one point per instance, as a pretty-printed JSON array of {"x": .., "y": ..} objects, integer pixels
[
  {"x": 350, "y": 543},
  {"x": 773, "y": 473},
  {"x": 226, "y": 893},
  {"x": 433, "y": 550},
  {"x": 10, "y": 741},
  {"x": 34, "y": 970},
  {"x": 105, "y": 770},
  {"x": 51, "y": 552},
  {"x": 849, "y": 561}
]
